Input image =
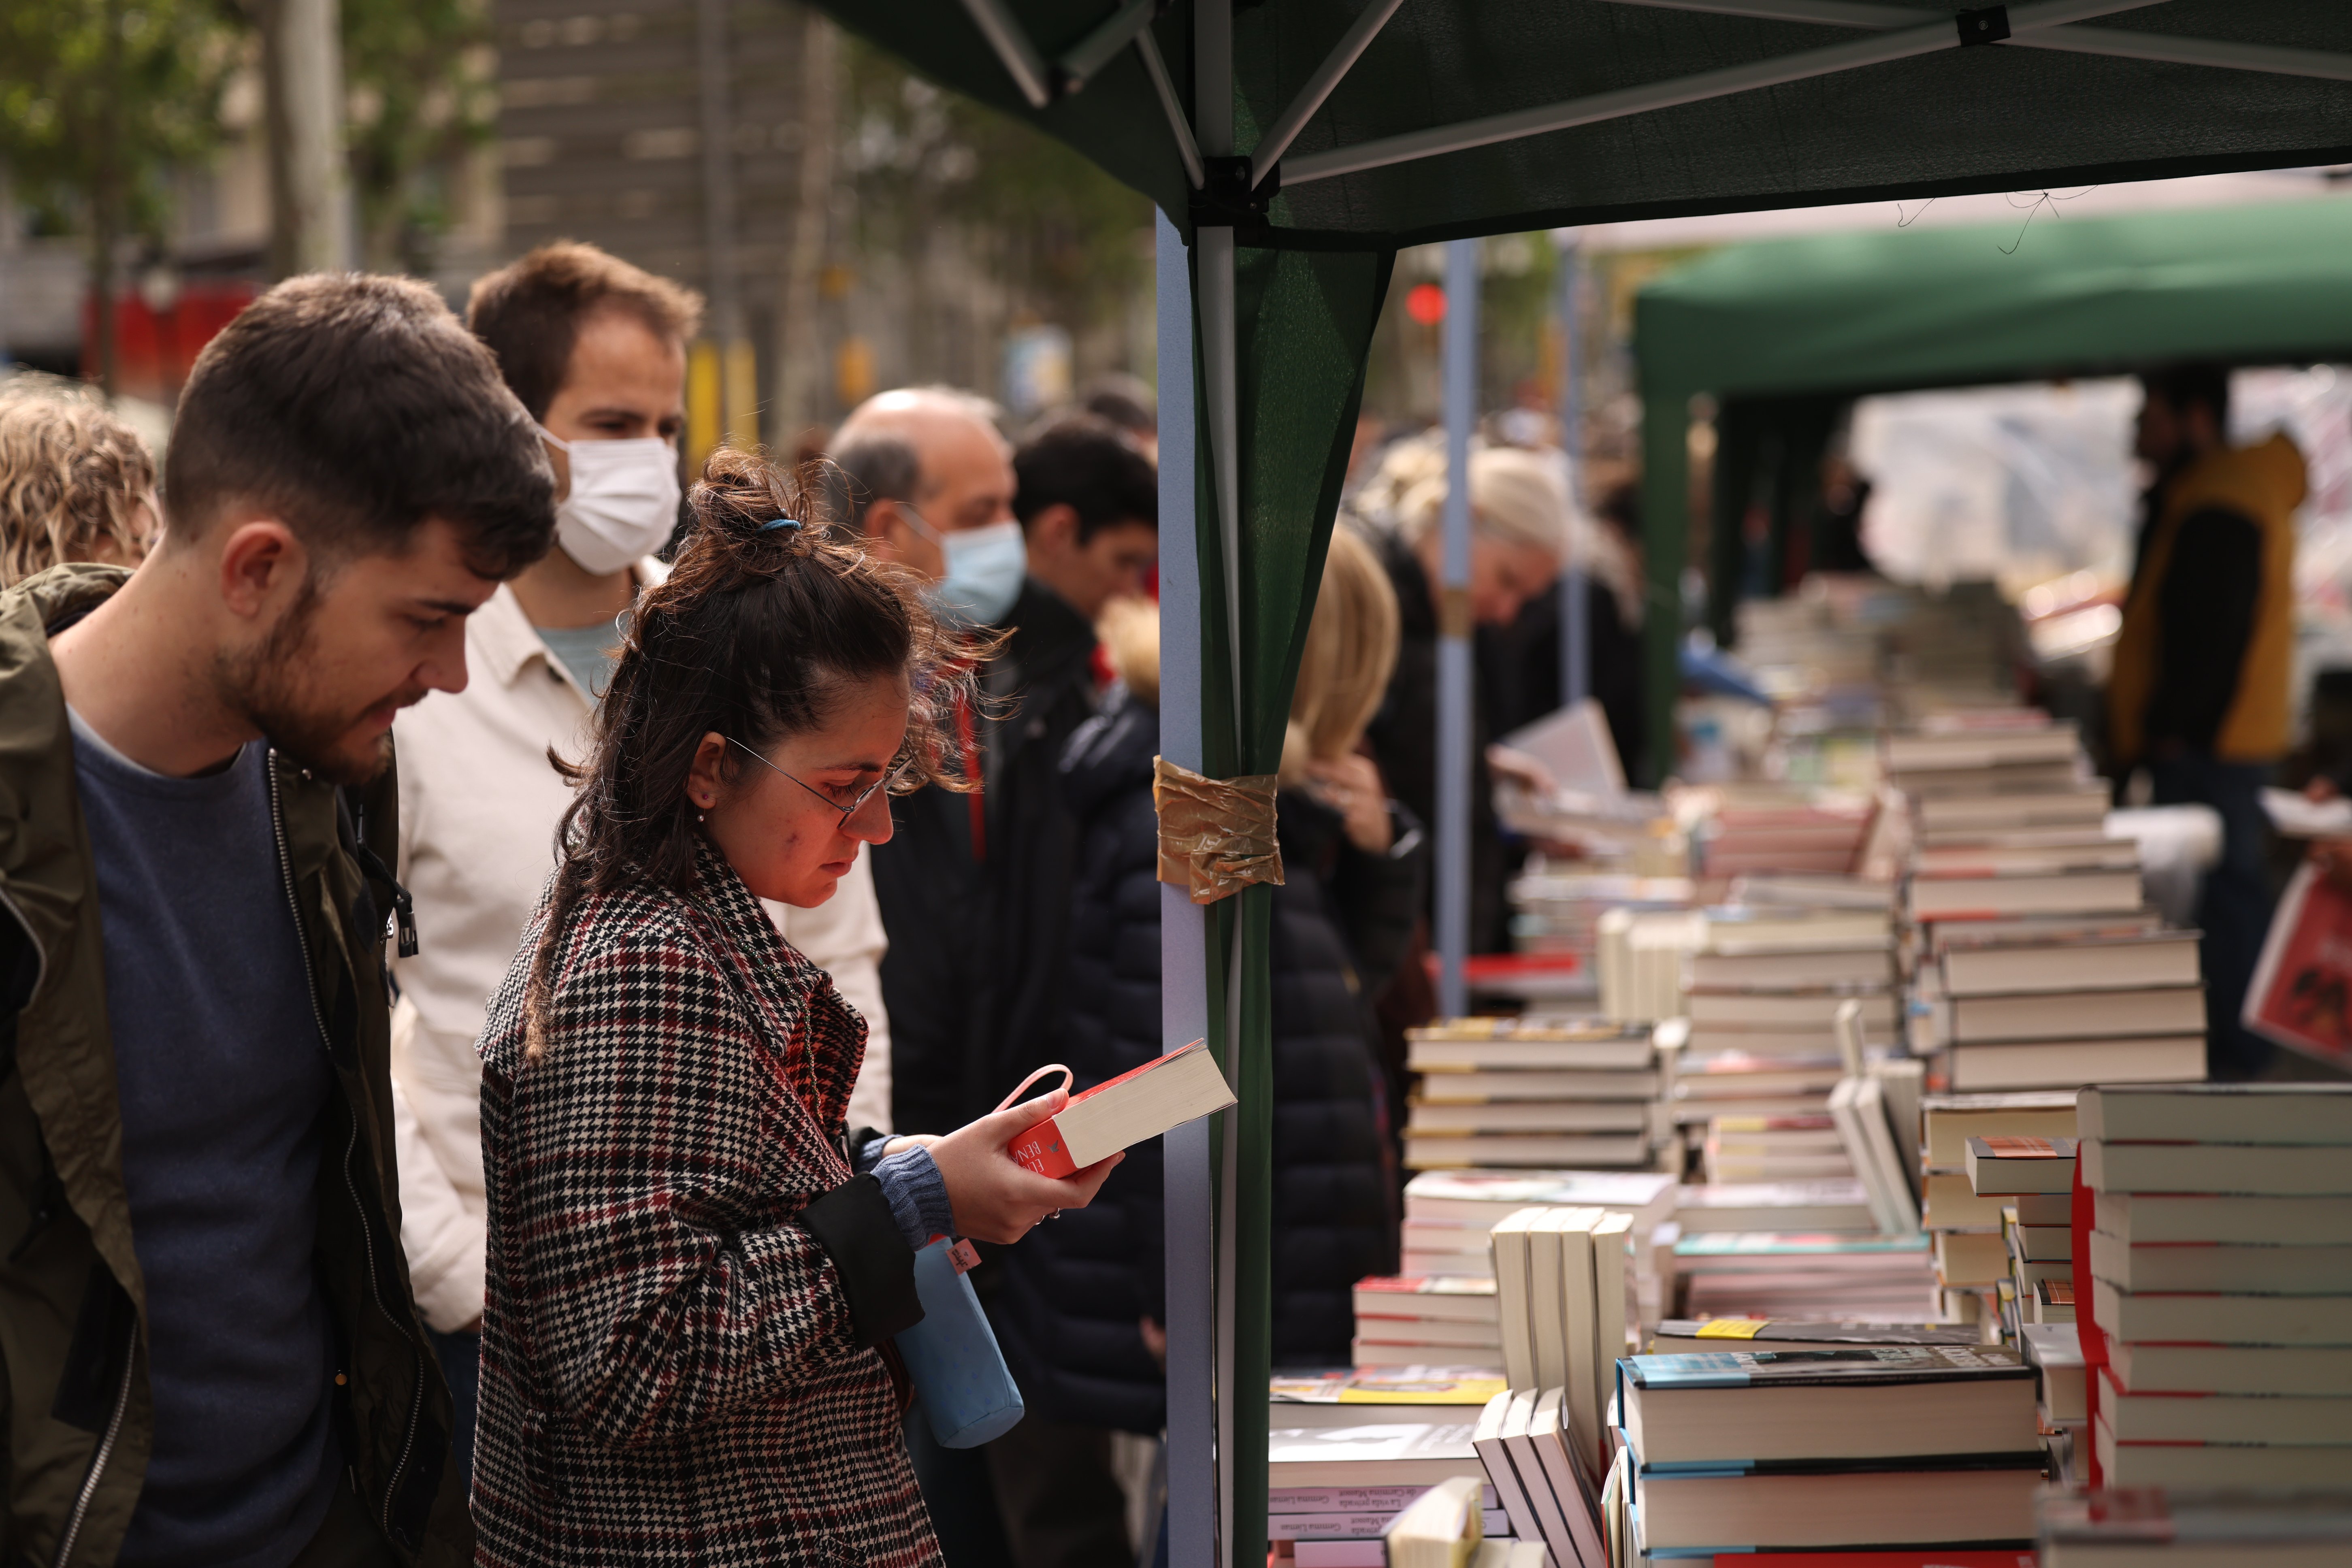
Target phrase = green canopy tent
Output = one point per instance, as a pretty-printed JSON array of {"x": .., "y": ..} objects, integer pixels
[
  {"x": 1292, "y": 147},
  {"x": 1783, "y": 333}
]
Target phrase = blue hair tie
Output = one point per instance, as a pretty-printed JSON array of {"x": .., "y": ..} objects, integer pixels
[{"x": 775, "y": 522}]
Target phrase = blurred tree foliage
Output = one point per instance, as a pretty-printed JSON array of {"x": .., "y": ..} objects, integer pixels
[
  {"x": 99, "y": 99},
  {"x": 422, "y": 83},
  {"x": 1060, "y": 235}
]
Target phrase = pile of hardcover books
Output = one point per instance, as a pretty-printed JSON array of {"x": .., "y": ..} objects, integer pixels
[
  {"x": 1769, "y": 1274},
  {"x": 1557, "y": 911},
  {"x": 1739, "y": 829},
  {"x": 1448, "y": 1216},
  {"x": 1856, "y": 1447},
  {"x": 1333, "y": 1488},
  {"x": 2152, "y": 1529},
  {"x": 2034, "y": 961},
  {"x": 1969, "y": 1232},
  {"x": 2033, "y": 1179},
  {"x": 2219, "y": 1323},
  {"x": 1501, "y": 1092}
]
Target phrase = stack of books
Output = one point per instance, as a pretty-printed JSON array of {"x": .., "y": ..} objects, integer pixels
[
  {"x": 1764, "y": 979},
  {"x": 1449, "y": 1213},
  {"x": 2056, "y": 1351},
  {"x": 2219, "y": 1324},
  {"x": 2035, "y": 961},
  {"x": 1445, "y": 1321},
  {"x": 1557, "y": 910},
  {"x": 2034, "y": 1179},
  {"x": 1737, "y": 830},
  {"x": 2061, "y": 1001},
  {"x": 1787, "y": 1206},
  {"x": 1333, "y": 1489},
  {"x": 1765, "y": 1274},
  {"x": 1967, "y": 1231},
  {"x": 2194, "y": 1529},
  {"x": 1502, "y": 1092},
  {"x": 1764, "y": 1149},
  {"x": 1534, "y": 1468},
  {"x": 1864, "y": 1447}
]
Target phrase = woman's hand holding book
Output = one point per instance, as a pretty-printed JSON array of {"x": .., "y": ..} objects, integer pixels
[{"x": 997, "y": 1199}]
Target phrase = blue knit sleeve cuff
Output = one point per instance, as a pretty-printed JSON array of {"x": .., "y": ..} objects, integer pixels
[{"x": 918, "y": 1195}]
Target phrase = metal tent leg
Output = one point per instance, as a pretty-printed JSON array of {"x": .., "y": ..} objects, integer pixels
[
  {"x": 1453, "y": 696},
  {"x": 1188, "y": 1192}
]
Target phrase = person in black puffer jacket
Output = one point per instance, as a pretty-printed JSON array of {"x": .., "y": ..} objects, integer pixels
[{"x": 1080, "y": 1295}]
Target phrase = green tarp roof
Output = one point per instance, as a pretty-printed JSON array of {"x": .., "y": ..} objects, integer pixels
[
  {"x": 1916, "y": 308},
  {"x": 2006, "y": 117}
]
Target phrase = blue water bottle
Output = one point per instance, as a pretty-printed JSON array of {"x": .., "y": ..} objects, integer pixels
[{"x": 958, "y": 1373}]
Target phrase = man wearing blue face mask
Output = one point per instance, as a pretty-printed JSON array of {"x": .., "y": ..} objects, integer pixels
[{"x": 975, "y": 889}]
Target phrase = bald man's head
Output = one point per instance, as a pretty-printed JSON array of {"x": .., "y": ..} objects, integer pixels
[{"x": 931, "y": 452}]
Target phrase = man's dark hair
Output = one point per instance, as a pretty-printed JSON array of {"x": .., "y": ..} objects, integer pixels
[
  {"x": 353, "y": 408},
  {"x": 882, "y": 466},
  {"x": 1086, "y": 464},
  {"x": 2181, "y": 388},
  {"x": 1124, "y": 403},
  {"x": 529, "y": 312}
]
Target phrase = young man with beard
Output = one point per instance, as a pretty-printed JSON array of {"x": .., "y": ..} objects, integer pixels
[{"x": 211, "y": 1352}]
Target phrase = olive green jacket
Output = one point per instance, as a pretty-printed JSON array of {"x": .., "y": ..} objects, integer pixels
[{"x": 76, "y": 1423}]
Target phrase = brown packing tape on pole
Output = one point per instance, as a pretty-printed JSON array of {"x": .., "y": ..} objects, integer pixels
[{"x": 1216, "y": 836}]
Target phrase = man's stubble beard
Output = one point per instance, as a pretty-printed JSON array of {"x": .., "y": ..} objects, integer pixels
[{"x": 264, "y": 687}]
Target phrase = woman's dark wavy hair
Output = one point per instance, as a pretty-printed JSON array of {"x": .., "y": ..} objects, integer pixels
[{"x": 756, "y": 633}]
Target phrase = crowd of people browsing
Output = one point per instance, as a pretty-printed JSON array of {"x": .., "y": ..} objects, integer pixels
[{"x": 507, "y": 957}]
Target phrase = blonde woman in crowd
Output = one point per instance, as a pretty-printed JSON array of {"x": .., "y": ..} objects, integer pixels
[{"x": 76, "y": 483}]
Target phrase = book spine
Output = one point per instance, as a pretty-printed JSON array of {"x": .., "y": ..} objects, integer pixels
[{"x": 1043, "y": 1150}]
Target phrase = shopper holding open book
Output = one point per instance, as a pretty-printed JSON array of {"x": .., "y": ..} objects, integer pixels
[{"x": 693, "y": 1269}]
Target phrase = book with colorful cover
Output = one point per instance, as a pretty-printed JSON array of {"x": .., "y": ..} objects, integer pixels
[
  {"x": 1097, "y": 1123},
  {"x": 2301, "y": 993}
]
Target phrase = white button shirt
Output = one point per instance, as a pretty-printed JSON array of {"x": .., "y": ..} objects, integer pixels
[{"x": 478, "y": 809}]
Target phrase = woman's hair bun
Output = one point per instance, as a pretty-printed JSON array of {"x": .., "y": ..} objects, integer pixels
[{"x": 760, "y": 511}]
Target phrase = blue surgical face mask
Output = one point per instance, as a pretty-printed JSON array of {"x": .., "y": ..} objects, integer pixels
[{"x": 985, "y": 569}]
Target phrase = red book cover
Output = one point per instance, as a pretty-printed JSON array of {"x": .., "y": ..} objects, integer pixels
[
  {"x": 2086, "y": 1326},
  {"x": 2302, "y": 994},
  {"x": 1043, "y": 1149}
]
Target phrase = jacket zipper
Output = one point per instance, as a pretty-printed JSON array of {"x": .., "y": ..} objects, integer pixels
[
  {"x": 99, "y": 1460},
  {"x": 367, "y": 1232},
  {"x": 105, "y": 1447}
]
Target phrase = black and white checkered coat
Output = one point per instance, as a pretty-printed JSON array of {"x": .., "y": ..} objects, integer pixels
[{"x": 669, "y": 1369}]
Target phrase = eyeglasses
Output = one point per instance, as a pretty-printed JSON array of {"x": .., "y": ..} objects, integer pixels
[{"x": 884, "y": 782}]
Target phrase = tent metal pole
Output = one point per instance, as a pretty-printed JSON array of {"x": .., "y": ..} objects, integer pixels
[
  {"x": 1575, "y": 638},
  {"x": 1189, "y": 1189},
  {"x": 1316, "y": 87},
  {"x": 2163, "y": 47},
  {"x": 1602, "y": 106},
  {"x": 1454, "y": 694},
  {"x": 1096, "y": 49},
  {"x": 1020, "y": 58},
  {"x": 1178, "y": 127},
  {"x": 1213, "y": 128}
]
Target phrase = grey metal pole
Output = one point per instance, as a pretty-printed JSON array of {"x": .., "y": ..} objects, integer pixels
[
  {"x": 1575, "y": 636},
  {"x": 1212, "y": 126},
  {"x": 1188, "y": 1191},
  {"x": 311, "y": 216},
  {"x": 1453, "y": 696}
]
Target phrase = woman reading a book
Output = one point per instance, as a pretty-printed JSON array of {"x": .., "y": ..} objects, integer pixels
[{"x": 693, "y": 1269}]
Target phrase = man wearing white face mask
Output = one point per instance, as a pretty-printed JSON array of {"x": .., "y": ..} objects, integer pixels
[{"x": 596, "y": 351}]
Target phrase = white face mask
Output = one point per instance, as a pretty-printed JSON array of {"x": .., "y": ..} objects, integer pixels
[
  {"x": 985, "y": 569},
  {"x": 623, "y": 502}
]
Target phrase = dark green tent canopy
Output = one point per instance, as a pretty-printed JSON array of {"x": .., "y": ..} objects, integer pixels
[
  {"x": 1269, "y": 128},
  {"x": 1941, "y": 120},
  {"x": 1782, "y": 333}
]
